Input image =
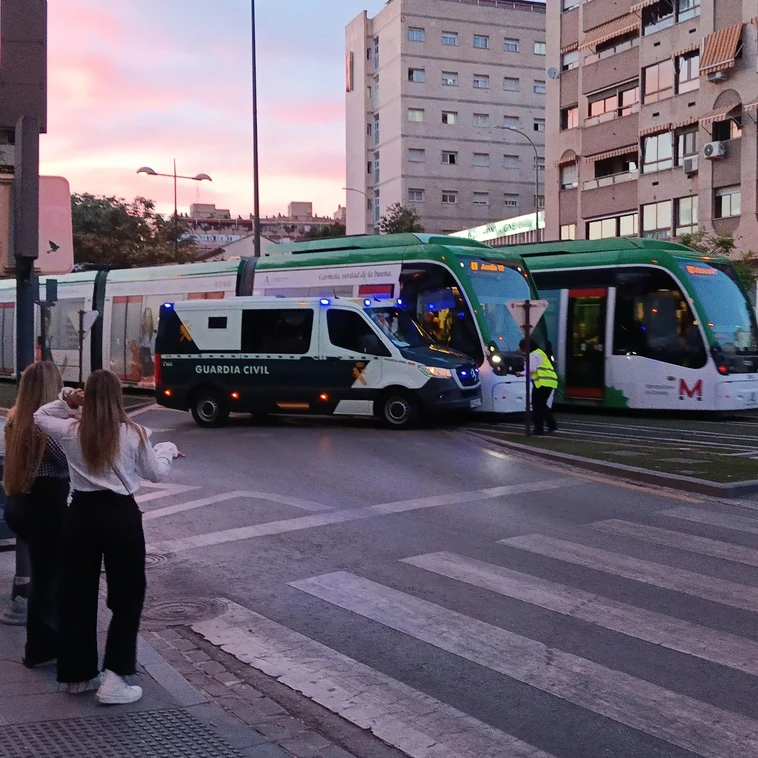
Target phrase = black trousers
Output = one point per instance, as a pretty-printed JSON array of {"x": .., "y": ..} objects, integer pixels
[
  {"x": 39, "y": 523},
  {"x": 101, "y": 526},
  {"x": 542, "y": 412}
]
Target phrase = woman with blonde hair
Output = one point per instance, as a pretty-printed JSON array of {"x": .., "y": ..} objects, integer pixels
[
  {"x": 35, "y": 479},
  {"x": 107, "y": 454}
]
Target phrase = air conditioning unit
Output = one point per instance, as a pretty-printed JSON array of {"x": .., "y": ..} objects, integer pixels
[
  {"x": 714, "y": 150},
  {"x": 716, "y": 76},
  {"x": 689, "y": 165}
]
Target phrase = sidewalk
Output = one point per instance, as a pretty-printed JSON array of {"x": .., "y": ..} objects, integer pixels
[{"x": 217, "y": 717}]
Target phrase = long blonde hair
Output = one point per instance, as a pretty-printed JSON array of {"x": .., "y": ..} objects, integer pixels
[
  {"x": 102, "y": 415},
  {"x": 24, "y": 444}
]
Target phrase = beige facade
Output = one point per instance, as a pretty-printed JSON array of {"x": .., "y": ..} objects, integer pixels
[
  {"x": 651, "y": 118},
  {"x": 431, "y": 84}
]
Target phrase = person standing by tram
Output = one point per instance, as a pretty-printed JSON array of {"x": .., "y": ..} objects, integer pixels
[{"x": 544, "y": 381}]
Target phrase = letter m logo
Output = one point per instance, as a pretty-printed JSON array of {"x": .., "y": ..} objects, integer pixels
[{"x": 696, "y": 391}]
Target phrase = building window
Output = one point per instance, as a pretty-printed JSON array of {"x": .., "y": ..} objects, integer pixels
[
  {"x": 482, "y": 160},
  {"x": 376, "y": 130},
  {"x": 416, "y": 155},
  {"x": 481, "y": 198},
  {"x": 619, "y": 168},
  {"x": 376, "y": 52},
  {"x": 539, "y": 163},
  {"x": 416, "y": 75},
  {"x": 539, "y": 48},
  {"x": 568, "y": 232},
  {"x": 449, "y": 79},
  {"x": 611, "y": 104},
  {"x": 449, "y": 157},
  {"x": 376, "y": 93},
  {"x": 449, "y": 197},
  {"x": 376, "y": 167},
  {"x": 377, "y": 207},
  {"x": 539, "y": 200},
  {"x": 656, "y": 220},
  {"x": 415, "y": 196},
  {"x": 450, "y": 38},
  {"x": 369, "y": 130},
  {"x": 657, "y": 16},
  {"x": 685, "y": 215},
  {"x": 570, "y": 60},
  {"x": 657, "y": 153},
  {"x": 449, "y": 117},
  {"x": 369, "y": 167},
  {"x": 728, "y": 202},
  {"x": 481, "y": 42},
  {"x": 511, "y": 122},
  {"x": 539, "y": 87},
  {"x": 687, "y": 9},
  {"x": 569, "y": 176},
  {"x": 686, "y": 145},
  {"x": 615, "y": 226},
  {"x": 416, "y": 114},
  {"x": 481, "y": 81},
  {"x": 569, "y": 5},
  {"x": 658, "y": 81},
  {"x": 510, "y": 84},
  {"x": 510, "y": 200},
  {"x": 570, "y": 117},
  {"x": 511, "y": 45},
  {"x": 538, "y": 125},
  {"x": 511, "y": 161},
  {"x": 481, "y": 119},
  {"x": 416, "y": 34},
  {"x": 731, "y": 128},
  {"x": 687, "y": 73}
]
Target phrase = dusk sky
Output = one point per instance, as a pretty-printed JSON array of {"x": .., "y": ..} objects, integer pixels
[{"x": 142, "y": 82}]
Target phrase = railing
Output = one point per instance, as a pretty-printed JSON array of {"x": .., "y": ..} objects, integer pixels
[
  {"x": 607, "y": 181},
  {"x": 512, "y": 4},
  {"x": 611, "y": 51}
]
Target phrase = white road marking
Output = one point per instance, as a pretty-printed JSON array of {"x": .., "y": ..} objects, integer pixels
[
  {"x": 647, "y": 572},
  {"x": 355, "y": 514},
  {"x": 656, "y": 628},
  {"x": 678, "y": 719},
  {"x": 407, "y": 719},
  {"x": 170, "y": 510},
  {"x": 162, "y": 489},
  {"x": 727, "y": 520},
  {"x": 702, "y": 545}
]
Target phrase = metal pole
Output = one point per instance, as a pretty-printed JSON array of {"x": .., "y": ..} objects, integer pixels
[
  {"x": 256, "y": 185},
  {"x": 176, "y": 218},
  {"x": 527, "y": 351}
]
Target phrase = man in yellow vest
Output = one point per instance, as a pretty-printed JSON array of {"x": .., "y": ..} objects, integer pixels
[{"x": 545, "y": 382}]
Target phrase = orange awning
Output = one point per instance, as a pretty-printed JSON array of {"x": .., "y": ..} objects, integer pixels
[
  {"x": 687, "y": 122},
  {"x": 570, "y": 48},
  {"x": 628, "y": 150},
  {"x": 751, "y": 106},
  {"x": 569, "y": 157},
  {"x": 657, "y": 129},
  {"x": 615, "y": 28},
  {"x": 719, "y": 114},
  {"x": 689, "y": 49},
  {"x": 720, "y": 49},
  {"x": 644, "y": 4}
]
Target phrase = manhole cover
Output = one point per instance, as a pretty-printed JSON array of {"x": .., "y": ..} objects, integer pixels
[
  {"x": 185, "y": 611},
  {"x": 154, "y": 560},
  {"x": 168, "y": 734}
]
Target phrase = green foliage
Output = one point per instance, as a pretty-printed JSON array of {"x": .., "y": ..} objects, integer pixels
[
  {"x": 110, "y": 232},
  {"x": 400, "y": 219},
  {"x": 326, "y": 232}
]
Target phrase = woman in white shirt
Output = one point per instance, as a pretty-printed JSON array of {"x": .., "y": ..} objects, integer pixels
[{"x": 107, "y": 454}]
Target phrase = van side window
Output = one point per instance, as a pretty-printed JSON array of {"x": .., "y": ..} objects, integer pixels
[
  {"x": 277, "y": 331},
  {"x": 350, "y": 331}
]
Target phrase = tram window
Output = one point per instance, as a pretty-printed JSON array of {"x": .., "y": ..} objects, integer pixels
[
  {"x": 284, "y": 332},
  {"x": 350, "y": 331},
  {"x": 653, "y": 319}
]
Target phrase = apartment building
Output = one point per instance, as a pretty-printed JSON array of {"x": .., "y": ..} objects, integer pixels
[
  {"x": 651, "y": 122},
  {"x": 431, "y": 87}
]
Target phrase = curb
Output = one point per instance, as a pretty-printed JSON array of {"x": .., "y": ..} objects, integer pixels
[{"x": 639, "y": 475}]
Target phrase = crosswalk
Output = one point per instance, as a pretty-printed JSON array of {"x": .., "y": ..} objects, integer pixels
[{"x": 677, "y": 719}]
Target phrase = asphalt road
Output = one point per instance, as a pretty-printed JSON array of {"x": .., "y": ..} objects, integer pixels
[{"x": 462, "y": 602}]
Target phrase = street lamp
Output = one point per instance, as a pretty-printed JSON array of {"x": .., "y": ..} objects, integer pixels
[
  {"x": 256, "y": 186},
  {"x": 360, "y": 192},
  {"x": 536, "y": 178},
  {"x": 197, "y": 178}
]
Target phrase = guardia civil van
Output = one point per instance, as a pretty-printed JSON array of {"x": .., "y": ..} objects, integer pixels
[{"x": 316, "y": 356}]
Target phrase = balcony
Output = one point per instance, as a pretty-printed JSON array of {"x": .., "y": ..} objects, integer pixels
[
  {"x": 611, "y": 51},
  {"x": 612, "y": 115},
  {"x": 611, "y": 179}
]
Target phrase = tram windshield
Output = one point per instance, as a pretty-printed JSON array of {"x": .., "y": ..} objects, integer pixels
[
  {"x": 728, "y": 313},
  {"x": 399, "y": 327}
]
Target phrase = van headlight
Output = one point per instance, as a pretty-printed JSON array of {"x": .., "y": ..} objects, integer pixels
[{"x": 438, "y": 373}]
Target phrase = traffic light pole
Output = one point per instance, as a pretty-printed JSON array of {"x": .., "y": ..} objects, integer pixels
[{"x": 527, "y": 354}]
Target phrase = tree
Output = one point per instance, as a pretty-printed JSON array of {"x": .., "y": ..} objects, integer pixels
[
  {"x": 400, "y": 219},
  {"x": 326, "y": 232},
  {"x": 110, "y": 232}
]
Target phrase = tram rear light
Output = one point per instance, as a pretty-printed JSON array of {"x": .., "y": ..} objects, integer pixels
[
  {"x": 167, "y": 393},
  {"x": 323, "y": 397},
  {"x": 723, "y": 370},
  {"x": 235, "y": 395}
]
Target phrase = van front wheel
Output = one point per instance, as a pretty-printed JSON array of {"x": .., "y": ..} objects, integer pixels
[
  {"x": 209, "y": 409},
  {"x": 398, "y": 409}
]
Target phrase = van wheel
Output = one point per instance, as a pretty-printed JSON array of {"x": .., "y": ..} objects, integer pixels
[
  {"x": 398, "y": 409},
  {"x": 209, "y": 409}
]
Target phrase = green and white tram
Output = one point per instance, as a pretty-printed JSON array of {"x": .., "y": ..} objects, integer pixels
[{"x": 646, "y": 324}]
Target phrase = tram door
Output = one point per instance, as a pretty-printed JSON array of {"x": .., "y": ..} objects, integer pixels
[{"x": 585, "y": 344}]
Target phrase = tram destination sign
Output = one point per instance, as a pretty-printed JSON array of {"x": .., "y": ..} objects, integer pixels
[{"x": 518, "y": 309}]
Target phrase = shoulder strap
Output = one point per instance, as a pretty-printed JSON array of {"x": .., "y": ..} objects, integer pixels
[{"x": 121, "y": 479}]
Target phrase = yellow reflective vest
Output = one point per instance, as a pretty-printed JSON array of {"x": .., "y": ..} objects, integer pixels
[{"x": 545, "y": 375}]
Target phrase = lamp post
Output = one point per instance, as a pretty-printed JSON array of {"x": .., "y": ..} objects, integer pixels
[
  {"x": 256, "y": 185},
  {"x": 360, "y": 192},
  {"x": 536, "y": 178},
  {"x": 197, "y": 178}
]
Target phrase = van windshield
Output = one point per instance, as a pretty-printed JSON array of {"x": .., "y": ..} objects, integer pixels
[{"x": 399, "y": 327}]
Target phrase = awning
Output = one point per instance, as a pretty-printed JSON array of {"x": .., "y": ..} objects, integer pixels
[
  {"x": 644, "y": 4},
  {"x": 570, "y": 48},
  {"x": 628, "y": 150},
  {"x": 657, "y": 129},
  {"x": 569, "y": 157},
  {"x": 720, "y": 49},
  {"x": 719, "y": 114},
  {"x": 695, "y": 46},
  {"x": 615, "y": 28},
  {"x": 751, "y": 106},
  {"x": 687, "y": 122}
]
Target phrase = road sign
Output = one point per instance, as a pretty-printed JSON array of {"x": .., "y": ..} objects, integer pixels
[
  {"x": 88, "y": 319},
  {"x": 518, "y": 310}
]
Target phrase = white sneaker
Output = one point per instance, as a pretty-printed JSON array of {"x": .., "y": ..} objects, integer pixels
[{"x": 115, "y": 691}]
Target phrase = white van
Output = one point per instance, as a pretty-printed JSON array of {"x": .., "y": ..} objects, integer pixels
[{"x": 316, "y": 356}]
